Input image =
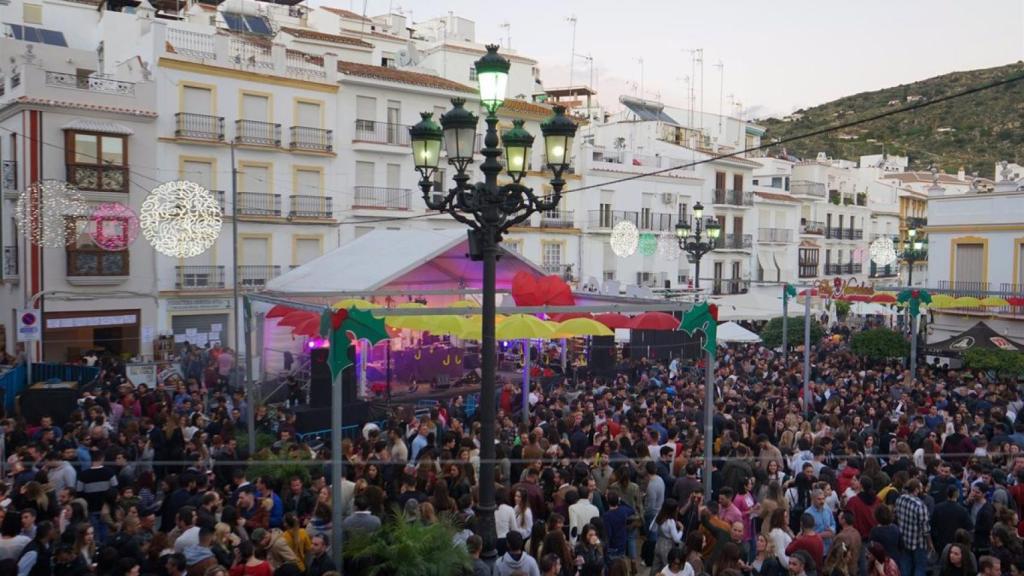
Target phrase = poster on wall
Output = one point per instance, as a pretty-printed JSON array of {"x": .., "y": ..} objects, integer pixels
[{"x": 141, "y": 374}]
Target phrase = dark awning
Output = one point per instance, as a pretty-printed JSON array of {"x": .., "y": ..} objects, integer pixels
[{"x": 979, "y": 336}]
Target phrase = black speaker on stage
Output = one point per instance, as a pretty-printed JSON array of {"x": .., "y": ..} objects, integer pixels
[
  {"x": 320, "y": 378},
  {"x": 602, "y": 355}
]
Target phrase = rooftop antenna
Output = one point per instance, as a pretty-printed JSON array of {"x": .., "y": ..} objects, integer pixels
[
  {"x": 508, "y": 34},
  {"x": 362, "y": 22},
  {"x": 721, "y": 88},
  {"x": 641, "y": 61},
  {"x": 700, "y": 60},
  {"x": 572, "y": 50},
  {"x": 692, "y": 96}
]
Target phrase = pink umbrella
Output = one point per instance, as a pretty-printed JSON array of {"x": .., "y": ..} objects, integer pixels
[
  {"x": 295, "y": 318},
  {"x": 613, "y": 320},
  {"x": 279, "y": 311},
  {"x": 654, "y": 321}
]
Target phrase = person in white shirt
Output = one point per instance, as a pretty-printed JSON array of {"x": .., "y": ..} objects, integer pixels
[
  {"x": 581, "y": 512},
  {"x": 677, "y": 564},
  {"x": 504, "y": 518}
]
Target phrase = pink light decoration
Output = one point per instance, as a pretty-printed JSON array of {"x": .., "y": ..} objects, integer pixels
[
  {"x": 317, "y": 343},
  {"x": 115, "y": 226}
]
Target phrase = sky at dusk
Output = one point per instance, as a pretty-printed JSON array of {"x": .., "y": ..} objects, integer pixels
[{"x": 777, "y": 56}]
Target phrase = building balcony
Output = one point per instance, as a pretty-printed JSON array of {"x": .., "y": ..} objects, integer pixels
[
  {"x": 854, "y": 234},
  {"x": 219, "y": 195},
  {"x": 258, "y": 204},
  {"x": 10, "y": 262},
  {"x": 807, "y": 188},
  {"x": 98, "y": 177},
  {"x": 735, "y": 198},
  {"x": 812, "y": 227},
  {"x": 311, "y": 207},
  {"x": 657, "y": 222},
  {"x": 829, "y": 269},
  {"x": 312, "y": 139},
  {"x": 775, "y": 235},
  {"x": 97, "y": 263},
  {"x": 607, "y": 219},
  {"x": 720, "y": 286},
  {"x": 834, "y": 233},
  {"x": 557, "y": 219},
  {"x": 90, "y": 83},
  {"x": 381, "y": 133},
  {"x": 199, "y": 127},
  {"x": 808, "y": 270},
  {"x": 734, "y": 242},
  {"x": 381, "y": 198},
  {"x": 256, "y": 276},
  {"x": 199, "y": 278},
  {"x": 256, "y": 133},
  {"x": 875, "y": 271},
  {"x": 560, "y": 270},
  {"x": 9, "y": 175}
]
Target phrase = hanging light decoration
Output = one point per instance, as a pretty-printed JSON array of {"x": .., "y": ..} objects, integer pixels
[
  {"x": 114, "y": 226},
  {"x": 883, "y": 252},
  {"x": 668, "y": 248},
  {"x": 858, "y": 255},
  {"x": 648, "y": 244},
  {"x": 43, "y": 210},
  {"x": 180, "y": 219},
  {"x": 624, "y": 239}
]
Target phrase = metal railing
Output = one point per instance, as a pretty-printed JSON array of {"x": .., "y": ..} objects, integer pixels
[
  {"x": 101, "y": 177},
  {"x": 199, "y": 278},
  {"x": 257, "y": 133},
  {"x": 875, "y": 271},
  {"x": 722, "y": 286},
  {"x": 812, "y": 227},
  {"x": 251, "y": 54},
  {"x": 958, "y": 288},
  {"x": 10, "y": 261},
  {"x": 557, "y": 219},
  {"x": 307, "y": 65},
  {"x": 254, "y": 276},
  {"x": 381, "y": 198},
  {"x": 805, "y": 270},
  {"x": 734, "y": 242},
  {"x": 609, "y": 218},
  {"x": 311, "y": 206},
  {"x": 657, "y": 222},
  {"x": 97, "y": 262},
  {"x": 807, "y": 188},
  {"x": 9, "y": 173},
  {"x": 733, "y": 198},
  {"x": 219, "y": 195},
  {"x": 90, "y": 83},
  {"x": 381, "y": 133},
  {"x": 198, "y": 126},
  {"x": 981, "y": 290},
  {"x": 192, "y": 44},
  {"x": 834, "y": 233},
  {"x": 315, "y": 139},
  {"x": 830, "y": 268},
  {"x": 774, "y": 235},
  {"x": 258, "y": 204},
  {"x": 557, "y": 269}
]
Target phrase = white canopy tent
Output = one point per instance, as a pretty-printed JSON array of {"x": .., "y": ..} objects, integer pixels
[
  {"x": 733, "y": 332},
  {"x": 871, "y": 309},
  {"x": 761, "y": 303}
]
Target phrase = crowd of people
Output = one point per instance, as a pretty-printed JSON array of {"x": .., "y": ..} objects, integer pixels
[{"x": 887, "y": 474}]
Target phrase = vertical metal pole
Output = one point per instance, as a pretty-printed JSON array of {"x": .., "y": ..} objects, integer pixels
[
  {"x": 709, "y": 425},
  {"x": 696, "y": 275},
  {"x": 387, "y": 361},
  {"x": 565, "y": 355},
  {"x": 785, "y": 323},
  {"x": 526, "y": 382},
  {"x": 807, "y": 352},
  {"x": 488, "y": 530},
  {"x": 913, "y": 347},
  {"x": 336, "y": 468},
  {"x": 250, "y": 416}
]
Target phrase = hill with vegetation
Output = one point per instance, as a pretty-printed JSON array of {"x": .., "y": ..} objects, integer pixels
[{"x": 974, "y": 131}]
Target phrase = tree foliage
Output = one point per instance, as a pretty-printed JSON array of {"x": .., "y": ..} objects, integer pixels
[
  {"x": 842, "y": 308},
  {"x": 402, "y": 548},
  {"x": 1002, "y": 362},
  {"x": 282, "y": 467},
  {"x": 771, "y": 334},
  {"x": 879, "y": 343}
]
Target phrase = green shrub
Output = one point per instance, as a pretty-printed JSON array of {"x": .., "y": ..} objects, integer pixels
[
  {"x": 879, "y": 343},
  {"x": 1002, "y": 362},
  {"x": 771, "y": 334},
  {"x": 402, "y": 548}
]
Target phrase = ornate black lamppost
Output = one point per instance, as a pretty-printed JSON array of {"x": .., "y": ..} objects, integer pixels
[
  {"x": 489, "y": 210},
  {"x": 697, "y": 239}
]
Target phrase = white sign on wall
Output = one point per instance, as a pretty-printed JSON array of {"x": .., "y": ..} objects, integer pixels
[{"x": 29, "y": 325}]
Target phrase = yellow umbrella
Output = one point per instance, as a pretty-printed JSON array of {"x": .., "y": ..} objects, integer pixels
[
  {"x": 406, "y": 322},
  {"x": 994, "y": 301},
  {"x": 943, "y": 301},
  {"x": 523, "y": 326},
  {"x": 581, "y": 327},
  {"x": 355, "y": 303},
  {"x": 967, "y": 302},
  {"x": 473, "y": 327},
  {"x": 464, "y": 304}
]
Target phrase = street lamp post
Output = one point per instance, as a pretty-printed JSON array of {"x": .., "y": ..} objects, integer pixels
[
  {"x": 489, "y": 210},
  {"x": 697, "y": 237},
  {"x": 913, "y": 251},
  {"x": 697, "y": 240}
]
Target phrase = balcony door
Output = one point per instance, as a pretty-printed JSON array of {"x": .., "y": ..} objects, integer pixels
[
  {"x": 737, "y": 228},
  {"x": 719, "y": 180},
  {"x": 308, "y": 114},
  {"x": 306, "y": 249},
  {"x": 394, "y": 121},
  {"x": 197, "y": 100},
  {"x": 255, "y": 107}
]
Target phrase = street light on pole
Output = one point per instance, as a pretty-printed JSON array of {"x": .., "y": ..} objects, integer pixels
[
  {"x": 914, "y": 250},
  {"x": 489, "y": 210},
  {"x": 697, "y": 237}
]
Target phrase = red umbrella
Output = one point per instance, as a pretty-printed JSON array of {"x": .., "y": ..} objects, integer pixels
[
  {"x": 812, "y": 291},
  {"x": 308, "y": 327},
  {"x": 858, "y": 298},
  {"x": 295, "y": 318},
  {"x": 568, "y": 316},
  {"x": 613, "y": 320},
  {"x": 279, "y": 311},
  {"x": 883, "y": 298},
  {"x": 654, "y": 321},
  {"x": 1016, "y": 300}
]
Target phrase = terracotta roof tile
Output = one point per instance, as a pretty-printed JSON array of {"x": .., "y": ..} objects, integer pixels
[
  {"x": 307, "y": 34},
  {"x": 776, "y": 197},
  {"x": 83, "y": 106},
  {"x": 401, "y": 76},
  {"x": 346, "y": 14},
  {"x": 515, "y": 106}
]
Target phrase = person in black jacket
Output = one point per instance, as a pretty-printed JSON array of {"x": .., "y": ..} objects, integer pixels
[
  {"x": 320, "y": 562},
  {"x": 35, "y": 559},
  {"x": 983, "y": 514},
  {"x": 948, "y": 517}
]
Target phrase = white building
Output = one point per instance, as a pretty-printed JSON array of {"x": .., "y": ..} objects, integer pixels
[{"x": 976, "y": 248}]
